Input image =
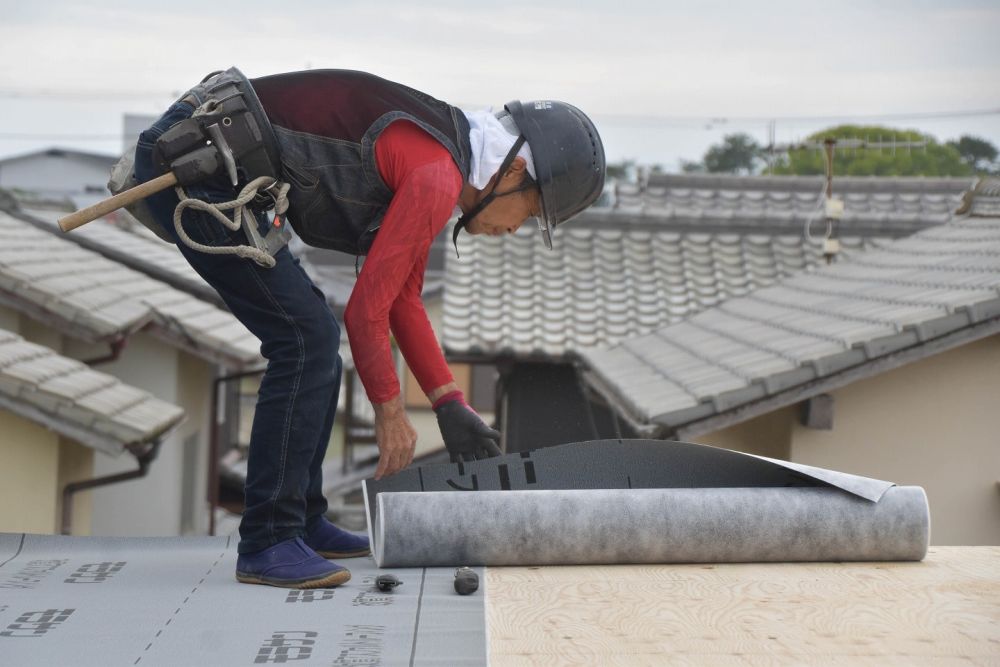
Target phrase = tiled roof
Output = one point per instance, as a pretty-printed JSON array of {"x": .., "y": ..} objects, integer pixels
[
  {"x": 513, "y": 297},
  {"x": 767, "y": 199},
  {"x": 90, "y": 297},
  {"x": 623, "y": 272},
  {"x": 984, "y": 200},
  {"x": 909, "y": 297},
  {"x": 136, "y": 248},
  {"x": 335, "y": 272},
  {"x": 70, "y": 398}
]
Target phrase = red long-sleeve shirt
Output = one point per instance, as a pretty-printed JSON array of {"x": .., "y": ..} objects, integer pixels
[{"x": 426, "y": 184}]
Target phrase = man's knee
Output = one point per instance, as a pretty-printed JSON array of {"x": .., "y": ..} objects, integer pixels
[{"x": 322, "y": 345}]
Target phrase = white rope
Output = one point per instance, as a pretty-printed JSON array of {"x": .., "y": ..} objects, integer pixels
[
  {"x": 238, "y": 206},
  {"x": 820, "y": 204}
]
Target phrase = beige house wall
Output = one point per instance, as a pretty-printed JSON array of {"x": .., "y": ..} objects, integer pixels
[
  {"x": 10, "y": 320},
  {"x": 38, "y": 463},
  {"x": 42, "y": 334},
  {"x": 934, "y": 423},
  {"x": 28, "y": 476},
  {"x": 767, "y": 435}
]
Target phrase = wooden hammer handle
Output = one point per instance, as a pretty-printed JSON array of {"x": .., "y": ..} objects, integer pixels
[{"x": 102, "y": 208}]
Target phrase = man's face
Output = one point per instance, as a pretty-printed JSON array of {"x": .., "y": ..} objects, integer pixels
[{"x": 507, "y": 212}]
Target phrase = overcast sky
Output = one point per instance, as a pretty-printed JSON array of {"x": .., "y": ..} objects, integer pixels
[{"x": 663, "y": 80}]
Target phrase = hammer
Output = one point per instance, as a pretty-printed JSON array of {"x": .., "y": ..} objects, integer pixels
[
  {"x": 102, "y": 208},
  {"x": 196, "y": 165}
]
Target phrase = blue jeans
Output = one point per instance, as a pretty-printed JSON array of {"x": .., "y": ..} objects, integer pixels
[{"x": 300, "y": 339}]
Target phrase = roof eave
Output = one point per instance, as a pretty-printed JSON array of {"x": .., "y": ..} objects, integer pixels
[
  {"x": 101, "y": 442},
  {"x": 736, "y": 415},
  {"x": 643, "y": 428}
]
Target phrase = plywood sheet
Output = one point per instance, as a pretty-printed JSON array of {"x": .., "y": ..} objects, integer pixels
[{"x": 945, "y": 610}]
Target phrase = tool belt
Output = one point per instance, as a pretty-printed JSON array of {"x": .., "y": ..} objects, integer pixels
[
  {"x": 230, "y": 118},
  {"x": 229, "y": 136}
]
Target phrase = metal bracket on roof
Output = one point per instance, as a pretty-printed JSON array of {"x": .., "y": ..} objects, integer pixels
[{"x": 817, "y": 412}]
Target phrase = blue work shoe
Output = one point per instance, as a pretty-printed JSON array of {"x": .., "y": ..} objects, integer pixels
[
  {"x": 332, "y": 542},
  {"x": 289, "y": 564}
]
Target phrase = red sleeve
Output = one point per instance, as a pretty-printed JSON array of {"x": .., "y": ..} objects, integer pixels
[{"x": 426, "y": 184}]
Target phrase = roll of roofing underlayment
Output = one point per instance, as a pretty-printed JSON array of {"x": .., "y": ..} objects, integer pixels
[{"x": 640, "y": 502}]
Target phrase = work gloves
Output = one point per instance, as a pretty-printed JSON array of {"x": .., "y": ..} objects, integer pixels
[{"x": 466, "y": 435}]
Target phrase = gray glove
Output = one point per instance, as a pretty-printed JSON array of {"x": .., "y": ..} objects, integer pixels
[{"x": 466, "y": 435}]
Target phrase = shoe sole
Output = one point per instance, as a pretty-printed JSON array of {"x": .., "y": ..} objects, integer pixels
[
  {"x": 344, "y": 554},
  {"x": 336, "y": 579}
]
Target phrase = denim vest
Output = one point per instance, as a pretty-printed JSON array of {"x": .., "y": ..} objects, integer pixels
[{"x": 326, "y": 123}]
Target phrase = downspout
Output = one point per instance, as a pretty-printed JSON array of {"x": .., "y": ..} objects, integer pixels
[
  {"x": 144, "y": 459},
  {"x": 117, "y": 345}
]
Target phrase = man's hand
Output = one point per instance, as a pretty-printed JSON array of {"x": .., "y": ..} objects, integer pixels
[
  {"x": 466, "y": 435},
  {"x": 396, "y": 437}
]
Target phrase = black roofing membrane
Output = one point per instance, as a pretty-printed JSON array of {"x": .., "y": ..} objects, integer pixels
[{"x": 639, "y": 501}]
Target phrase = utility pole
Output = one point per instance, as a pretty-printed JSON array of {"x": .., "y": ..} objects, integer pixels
[
  {"x": 834, "y": 206},
  {"x": 770, "y": 143}
]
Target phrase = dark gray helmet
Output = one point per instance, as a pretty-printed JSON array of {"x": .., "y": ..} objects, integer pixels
[{"x": 568, "y": 156}]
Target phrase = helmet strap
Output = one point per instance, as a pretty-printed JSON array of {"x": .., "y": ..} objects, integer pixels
[{"x": 467, "y": 217}]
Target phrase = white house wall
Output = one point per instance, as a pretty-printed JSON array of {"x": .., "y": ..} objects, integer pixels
[
  {"x": 195, "y": 378},
  {"x": 149, "y": 505},
  {"x": 39, "y": 172}
]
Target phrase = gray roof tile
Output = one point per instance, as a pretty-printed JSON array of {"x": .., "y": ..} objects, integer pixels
[
  {"x": 914, "y": 202},
  {"x": 510, "y": 296},
  {"x": 89, "y": 296},
  {"x": 70, "y": 398},
  {"x": 124, "y": 240},
  {"x": 807, "y": 326},
  {"x": 616, "y": 274}
]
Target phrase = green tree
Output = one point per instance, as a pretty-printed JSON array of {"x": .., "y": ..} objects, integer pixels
[
  {"x": 620, "y": 170},
  {"x": 978, "y": 153},
  {"x": 692, "y": 167},
  {"x": 933, "y": 159},
  {"x": 737, "y": 154}
]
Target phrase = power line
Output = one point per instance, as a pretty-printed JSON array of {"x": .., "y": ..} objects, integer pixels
[
  {"x": 88, "y": 95},
  {"x": 766, "y": 120},
  {"x": 638, "y": 119}
]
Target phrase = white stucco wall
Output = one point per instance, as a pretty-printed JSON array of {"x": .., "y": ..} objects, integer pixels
[
  {"x": 56, "y": 174},
  {"x": 149, "y": 505}
]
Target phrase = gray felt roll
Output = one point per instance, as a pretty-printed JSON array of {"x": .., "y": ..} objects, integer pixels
[{"x": 674, "y": 525}]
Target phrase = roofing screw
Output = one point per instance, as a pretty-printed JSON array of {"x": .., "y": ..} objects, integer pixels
[
  {"x": 387, "y": 582},
  {"x": 466, "y": 581}
]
